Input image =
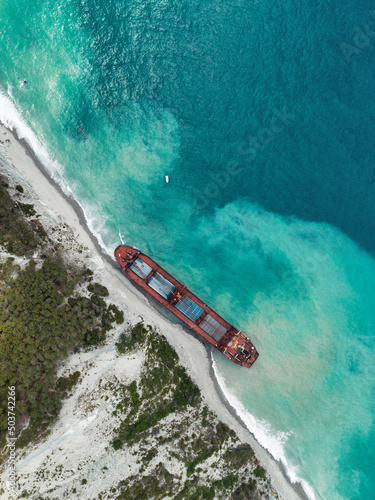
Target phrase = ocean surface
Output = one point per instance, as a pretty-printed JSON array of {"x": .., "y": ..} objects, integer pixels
[{"x": 262, "y": 114}]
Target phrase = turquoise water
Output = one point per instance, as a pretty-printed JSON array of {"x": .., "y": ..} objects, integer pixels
[{"x": 262, "y": 115}]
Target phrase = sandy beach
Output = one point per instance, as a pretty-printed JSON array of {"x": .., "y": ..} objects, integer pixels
[{"x": 56, "y": 207}]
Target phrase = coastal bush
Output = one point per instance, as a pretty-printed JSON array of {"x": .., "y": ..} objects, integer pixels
[
  {"x": 204, "y": 416},
  {"x": 27, "y": 209},
  {"x": 260, "y": 472},
  {"x": 151, "y": 454},
  {"x": 159, "y": 346},
  {"x": 207, "y": 453},
  {"x": 202, "y": 492},
  {"x": 229, "y": 481},
  {"x": 117, "y": 444},
  {"x": 156, "y": 485},
  {"x": 64, "y": 384},
  {"x": 93, "y": 337},
  {"x": 224, "y": 432},
  {"x": 246, "y": 491},
  {"x": 131, "y": 432},
  {"x": 239, "y": 456},
  {"x": 115, "y": 314},
  {"x": 190, "y": 484},
  {"x": 208, "y": 442},
  {"x": 98, "y": 301},
  {"x": 111, "y": 315},
  {"x": 98, "y": 289},
  {"x": 164, "y": 388},
  {"x": 18, "y": 236},
  {"x": 19, "y": 188},
  {"x": 165, "y": 385},
  {"x": 39, "y": 325},
  {"x": 186, "y": 392},
  {"x": 135, "y": 397},
  {"x": 193, "y": 490},
  {"x": 132, "y": 339}
]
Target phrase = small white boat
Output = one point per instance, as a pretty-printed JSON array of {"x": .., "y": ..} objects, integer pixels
[{"x": 166, "y": 179}]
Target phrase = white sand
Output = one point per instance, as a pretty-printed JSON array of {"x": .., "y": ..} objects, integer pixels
[{"x": 72, "y": 436}]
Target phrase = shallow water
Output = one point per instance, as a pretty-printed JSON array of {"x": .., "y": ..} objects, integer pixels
[{"x": 264, "y": 122}]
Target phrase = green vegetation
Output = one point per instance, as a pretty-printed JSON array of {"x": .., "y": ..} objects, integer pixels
[
  {"x": 18, "y": 236},
  {"x": 203, "y": 448},
  {"x": 98, "y": 289},
  {"x": 166, "y": 387},
  {"x": 239, "y": 456},
  {"x": 117, "y": 444},
  {"x": 65, "y": 384},
  {"x": 164, "y": 390},
  {"x": 193, "y": 490},
  {"x": 27, "y": 209},
  {"x": 133, "y": 339},
  {"x": 260, "y": 472},
  {"x": 217, "y": 489},
  {"x": 42, "y": 320},
  {"x": 38, "y": 327},
  {"x": 246, "y": 490},
  {"x": 158, "y": 484}
]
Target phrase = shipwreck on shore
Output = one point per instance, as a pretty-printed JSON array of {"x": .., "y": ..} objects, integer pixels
[{"x": 187, "y": 307}]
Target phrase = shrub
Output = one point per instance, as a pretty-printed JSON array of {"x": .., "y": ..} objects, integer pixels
[
  {"x": 260, "y": 472},
  {"x": 93, "y": 337},
  {"x": 229, "y": 481},
  {"x": 223, "y": 431},
  {"x": 117, "y": 444},
  {"x": 98, "y": 301},
  {"x": 66, "y": 383},
  {"x": 116, "y": 314},
  {"x": 134, "y": 338},
  {"x": 240, "y": 455},
  {"x": 19, "y": 188},
  {"x": 38, "y": 326},
  {"x": 16, "y": 234},
  {"x": 27, "y": 209},
  {"x": 186, "y": 392},
  {"x": 98, "y": 289}
]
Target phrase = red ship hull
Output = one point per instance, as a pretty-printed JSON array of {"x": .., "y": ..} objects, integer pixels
[{"x": 186, "y": 306}]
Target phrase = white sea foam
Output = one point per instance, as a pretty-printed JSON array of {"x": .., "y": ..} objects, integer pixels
[
  {"x": 269, "y": 439},
  {"x": 12, "y": 118}
]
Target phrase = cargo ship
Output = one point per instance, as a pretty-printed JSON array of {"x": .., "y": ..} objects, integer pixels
[{"x": 188, "y": 308}]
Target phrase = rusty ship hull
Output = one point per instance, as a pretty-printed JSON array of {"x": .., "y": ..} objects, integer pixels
[{"x": 186, "y": 306}]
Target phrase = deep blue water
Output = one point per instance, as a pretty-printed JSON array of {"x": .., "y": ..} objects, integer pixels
[{"x": 263, "y": 116}]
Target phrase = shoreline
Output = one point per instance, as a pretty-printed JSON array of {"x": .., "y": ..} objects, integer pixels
[
  {"x": 297, "y": 487},
  {"x": 198, "y": 360}
]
